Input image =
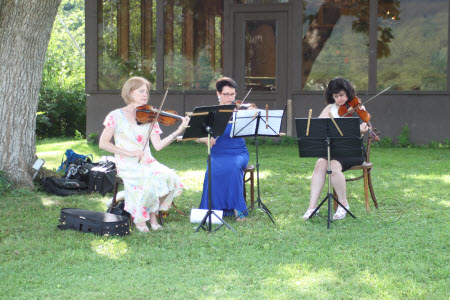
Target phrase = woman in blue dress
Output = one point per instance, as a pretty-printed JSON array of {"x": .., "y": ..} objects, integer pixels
[{"x": 229, "y": 158}]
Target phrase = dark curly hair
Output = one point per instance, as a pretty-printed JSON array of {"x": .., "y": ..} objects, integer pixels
[
  {"x": 225, "y": 81},
  {"x": 335, "y": 86}
]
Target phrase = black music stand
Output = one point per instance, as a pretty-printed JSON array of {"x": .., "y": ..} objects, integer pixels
[
  {"x": 321, "y": 138},
  {"x": 209, "y": 121},
  {"x": 257, "y": 123}
]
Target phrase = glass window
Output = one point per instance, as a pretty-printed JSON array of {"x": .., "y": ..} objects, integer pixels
[
  {"x": 261, "y": 55},
  {"x": 126, "y": 41},
  {"x": 192, "y": 44},
  {"x": 335, "y": 42},
  {"x": 412, "y": 44}
]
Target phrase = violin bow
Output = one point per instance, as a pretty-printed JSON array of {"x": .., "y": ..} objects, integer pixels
[
  {"x": 246, "y": 96},
  {"x": 156, "y": 119},
  {"x": 159, "y": 110},
  {"x": 242, "y": 102},
  {"x": 370, "y": 99}
]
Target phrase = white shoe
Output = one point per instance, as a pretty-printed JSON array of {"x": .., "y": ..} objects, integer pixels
[
  {"x": 308, "y": 213},
  {"x": 340, "y": 213}
]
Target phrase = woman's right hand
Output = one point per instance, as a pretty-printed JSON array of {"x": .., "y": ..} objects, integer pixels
[
  {"x": 205, "y": 140},
  {"x": 137, "y": 153}
]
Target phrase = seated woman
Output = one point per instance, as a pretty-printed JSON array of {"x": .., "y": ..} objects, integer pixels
[
  {"x": 339, "y": 91},
  {"x": 229, "y": 158},
  {"x": 149, "y": 185}
]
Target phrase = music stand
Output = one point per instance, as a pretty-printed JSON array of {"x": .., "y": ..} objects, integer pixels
[
  {"x": 257, "y": 123},
  {"x": 205, "y": 122},
  {"x": 321, "y": 138}
]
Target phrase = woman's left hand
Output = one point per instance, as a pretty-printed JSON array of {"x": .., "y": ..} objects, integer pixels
[
  {"x": 363, "y": 127},
  {"x": 183, "y": 125}
]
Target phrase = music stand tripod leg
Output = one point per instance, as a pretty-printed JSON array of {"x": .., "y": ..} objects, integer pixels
[
  {"x": 261, "y": 205},
  {"x": 210, "y": 212}
]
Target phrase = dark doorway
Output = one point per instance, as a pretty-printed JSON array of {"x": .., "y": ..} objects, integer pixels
[{"x": 260, "y": 57}]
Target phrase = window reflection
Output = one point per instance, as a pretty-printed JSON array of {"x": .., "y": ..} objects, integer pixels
[
  {"x": 192, "y": 44},
  {"x": 126, "y": 41},
  {"x": 412, "y": 44},
  {"x": 335, "y": 42}
]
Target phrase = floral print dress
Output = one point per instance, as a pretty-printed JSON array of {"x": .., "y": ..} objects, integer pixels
[{"x": 145, "y": 181}]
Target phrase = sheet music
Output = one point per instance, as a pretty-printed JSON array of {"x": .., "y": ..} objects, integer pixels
[{"x": 245, "y": 121}]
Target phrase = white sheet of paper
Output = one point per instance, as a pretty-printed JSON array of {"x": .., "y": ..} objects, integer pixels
[{"x": 245, "y": 122}]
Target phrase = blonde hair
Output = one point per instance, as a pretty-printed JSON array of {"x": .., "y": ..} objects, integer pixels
[{"x": 133, "y": 84}]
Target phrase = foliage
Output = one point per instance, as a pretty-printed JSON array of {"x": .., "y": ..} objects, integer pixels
[
  {"x": 5, "y": 185},
  {"x": 403, "y": 138},
  {"x": 385, "y": 142},
  {"x": 62, "y": 101},
  {"x": 64, "y": 112},
  {"x": 436, "y": 145},
  {"x": 399, "y": 251},
  {"x": 92, "y": 138}
]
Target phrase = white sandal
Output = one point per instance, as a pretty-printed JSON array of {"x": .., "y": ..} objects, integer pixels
[
  {"x": 308, "y": 213},
  {"x": 340, "y": 213},
  {"x": 142, "y": 228},
  {"x": 155, "y": 227}
]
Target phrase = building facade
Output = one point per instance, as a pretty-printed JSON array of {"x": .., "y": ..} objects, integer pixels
[{"x": 284, "y": 50}]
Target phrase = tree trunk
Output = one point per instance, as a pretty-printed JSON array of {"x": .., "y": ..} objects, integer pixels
[{"x": 25, "y": 29}]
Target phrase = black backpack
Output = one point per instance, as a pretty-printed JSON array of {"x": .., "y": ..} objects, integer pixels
[
  {"x": 63, "y": 187},
  {"x": 102, "y": 177}
]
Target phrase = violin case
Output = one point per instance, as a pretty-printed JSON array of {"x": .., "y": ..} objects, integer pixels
[{"x": 94, "y": 221}]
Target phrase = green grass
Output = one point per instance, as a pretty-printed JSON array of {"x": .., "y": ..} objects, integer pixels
[{"x": 400, "y": 251}]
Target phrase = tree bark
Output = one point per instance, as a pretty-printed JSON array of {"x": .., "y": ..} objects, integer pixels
[{"x": 25, "y": 29}]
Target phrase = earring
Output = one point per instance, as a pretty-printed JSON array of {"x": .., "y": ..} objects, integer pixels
[{"x": 218, "y": 97}]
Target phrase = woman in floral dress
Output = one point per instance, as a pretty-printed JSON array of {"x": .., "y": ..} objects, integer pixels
[{"x": 149, "y": 185}]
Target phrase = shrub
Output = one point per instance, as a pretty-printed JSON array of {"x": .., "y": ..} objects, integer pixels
[
  {"x": 403, "y": 138},
  {"x": 385, "y": 142},
  {"x": 63, "y": 112},
  {"x": 92, "y": 139}
]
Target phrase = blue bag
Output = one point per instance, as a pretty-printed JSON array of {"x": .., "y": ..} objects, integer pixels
[{"x": 71, "y": 158}]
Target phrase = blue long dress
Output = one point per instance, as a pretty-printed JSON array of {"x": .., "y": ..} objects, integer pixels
[{"x": 229, "y": 158}]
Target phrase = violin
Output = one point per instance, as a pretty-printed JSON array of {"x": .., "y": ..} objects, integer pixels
[
  {"x": 149, "y": 114},
  {"x": 240, "y": 105},
  {"x": 353, "y": 106}
]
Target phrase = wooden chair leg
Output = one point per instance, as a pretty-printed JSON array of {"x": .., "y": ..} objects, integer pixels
[
  {"x": 366, "y": 189},
  {"x": 372, "y": 193},
  {"x": 245, "y": 192},
  {"x": 178, "y": 211},
  {"x": 114, "y": 201},
  {"x": 335, "y": 205},
  {"x": 252, "y": 188},
  {"x": 160, "y": 217}
]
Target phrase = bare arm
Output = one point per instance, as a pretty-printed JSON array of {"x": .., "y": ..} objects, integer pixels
[
  {"x": 105, "y": 144},
  {"x": 325, "y": 112},
  {"x": 159, "y": 143}
]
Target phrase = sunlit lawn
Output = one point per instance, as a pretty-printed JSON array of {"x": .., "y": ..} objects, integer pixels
[{"x": 400, "y": 251}]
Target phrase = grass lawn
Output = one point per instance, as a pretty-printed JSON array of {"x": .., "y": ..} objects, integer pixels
[{"x": 400, "y": 251}]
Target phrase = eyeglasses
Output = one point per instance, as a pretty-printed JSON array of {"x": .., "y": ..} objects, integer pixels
[
  {"x": 340, "y": 95},
  {"x": 229, "y": 94}
]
